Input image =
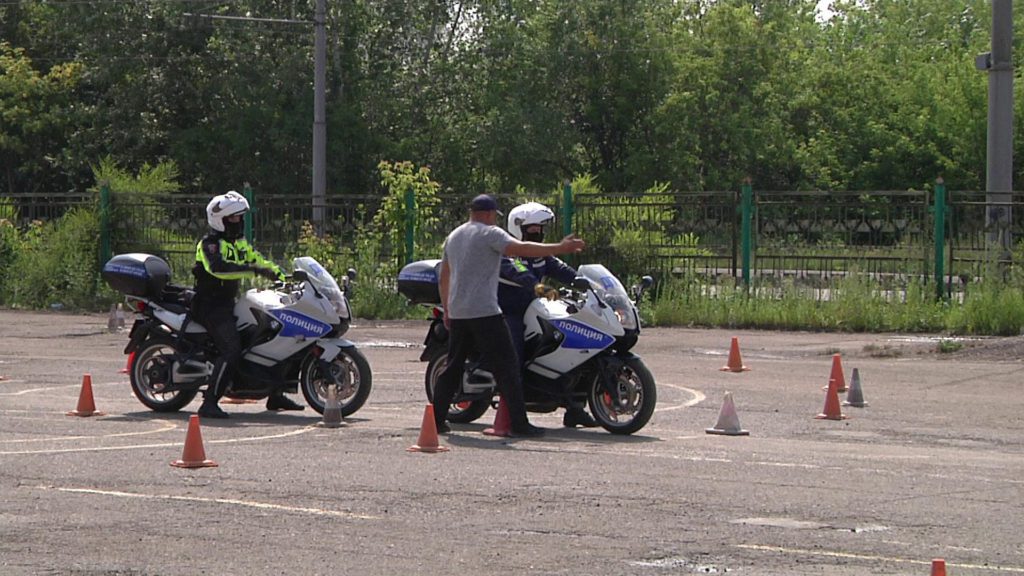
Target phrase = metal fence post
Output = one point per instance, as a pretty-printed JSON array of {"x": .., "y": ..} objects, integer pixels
[
  {"x": 746, "y": 211},
  {"x": 940, "y": 237},
  {"x": 568, "y": 209},
  {"x": 410, "y": 224},
  {"x": 247, "y": 192},
  {"x": 105, "y": 249}
]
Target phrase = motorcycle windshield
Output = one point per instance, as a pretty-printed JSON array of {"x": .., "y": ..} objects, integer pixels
[
  {"x": 611, "y": 291},
  {"x": 323, "y": 282}
]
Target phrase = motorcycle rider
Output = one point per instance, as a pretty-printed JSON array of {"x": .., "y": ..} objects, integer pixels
[
  {"x": 518, "y": 279},
  {"x": 223, "y": 258}
]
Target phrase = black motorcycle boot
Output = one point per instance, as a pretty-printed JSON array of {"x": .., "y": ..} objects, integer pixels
[
  {"x": 282, "y": 402},
  {"x": 527, "y": 430},
  {"x": 211, "y": 408},
  {"x": 575, "y": 416},
  {"x": 213, "y": 393}
]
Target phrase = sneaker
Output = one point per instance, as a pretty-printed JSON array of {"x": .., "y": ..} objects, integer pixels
[
  {"x": 444, "y": 428},
  {"x": 283, "y": 402},
  {"x": 576, "y": 416},
  {"x": 211, "y": 410},
  {"x": 527, "y": 431}
]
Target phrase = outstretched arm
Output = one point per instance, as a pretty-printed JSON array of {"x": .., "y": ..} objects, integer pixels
[{"x": 569, "y": 245}]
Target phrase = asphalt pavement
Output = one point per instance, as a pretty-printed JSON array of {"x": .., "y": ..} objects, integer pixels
[{"x": 932, "y": 467}]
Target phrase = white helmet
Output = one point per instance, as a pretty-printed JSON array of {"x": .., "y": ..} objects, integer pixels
[
  {"x": 529, "y": 214},
  {"x": 224, "y": 205}
]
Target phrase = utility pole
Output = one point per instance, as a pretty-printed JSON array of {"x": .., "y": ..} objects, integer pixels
[
  {"x": 319, "y": 117},
  {"x": 999, "y": 147},
  {"x": 319, "y": 99}
]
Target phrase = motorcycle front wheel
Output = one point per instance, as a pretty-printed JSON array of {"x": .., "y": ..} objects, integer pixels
[
  {"x": 630, "y": 406},
  {"x": 353, "y": 376},
  {"x": 150, "y": 375},
  {"x": 458, "y": 412}
]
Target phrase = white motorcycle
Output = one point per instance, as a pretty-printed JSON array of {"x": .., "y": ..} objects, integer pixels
[
  {"x": 577, "y": 345},
  {"x": 291, "y": 338}
]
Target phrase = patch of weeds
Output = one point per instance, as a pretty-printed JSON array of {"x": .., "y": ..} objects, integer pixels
[
  {"x": 831, "y": 351},
  {"x": 949, "y": 346},
  {"x": 886, "y": 351}
]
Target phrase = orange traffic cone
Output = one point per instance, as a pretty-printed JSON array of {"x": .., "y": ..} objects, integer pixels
[
  {"x": 837, "y": 374},
  {"x": 938, "y": 567},
  {"x": 855, "y": 397},
  {"x": 735, "y": 362},
  {"x": 128, "y": 365},
  {"x": 728, "y": 421},
  {"x": 86, "y": 406},
  {"x": 832, "y": 410},
  {"x": 428, "y": 434},
  {"x": 193, "y": 456},
  {"x": 502, "y": 421}
]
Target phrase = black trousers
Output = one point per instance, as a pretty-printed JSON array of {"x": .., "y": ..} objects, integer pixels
[
  {"x": 220, "y": 324},
  {"x": 490, "y": 337}
]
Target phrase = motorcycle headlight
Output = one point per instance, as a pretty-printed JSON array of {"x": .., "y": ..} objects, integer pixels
[{"x": 623, "y": 311}]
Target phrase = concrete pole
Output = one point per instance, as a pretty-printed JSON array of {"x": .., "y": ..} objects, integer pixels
[
  {"x": 999, "y": 169},
  {"x": 319, "y": 117}
]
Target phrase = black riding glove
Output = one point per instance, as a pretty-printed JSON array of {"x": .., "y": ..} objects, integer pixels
[{"x": 268, "y": 273}]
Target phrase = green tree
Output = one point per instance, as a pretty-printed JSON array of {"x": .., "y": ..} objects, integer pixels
[{"x": 35, "y": 109}]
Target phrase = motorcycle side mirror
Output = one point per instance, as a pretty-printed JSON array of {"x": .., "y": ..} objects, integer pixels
[
  {"x": 581, "y": 284},
  {"x": 645, "y": 283},
  {"x": 300, "y": 276}
]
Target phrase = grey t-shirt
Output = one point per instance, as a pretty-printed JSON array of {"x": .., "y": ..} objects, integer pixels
[{"x": 473, "y": 252}]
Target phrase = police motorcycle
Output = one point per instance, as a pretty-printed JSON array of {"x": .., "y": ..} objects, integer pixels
[
  {"x": 291, "y": 338},
  {"x": 577, "y": 343}
]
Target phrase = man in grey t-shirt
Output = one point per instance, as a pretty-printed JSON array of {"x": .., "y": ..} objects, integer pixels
[{"x": 469, "y": 294}]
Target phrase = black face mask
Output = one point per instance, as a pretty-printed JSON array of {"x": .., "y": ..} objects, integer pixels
[
  {"x": 533, "y": 236},
  {"x": 234, "y": 230}
]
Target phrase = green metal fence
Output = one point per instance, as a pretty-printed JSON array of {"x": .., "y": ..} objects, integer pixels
[{"x": 741, "y": 236}]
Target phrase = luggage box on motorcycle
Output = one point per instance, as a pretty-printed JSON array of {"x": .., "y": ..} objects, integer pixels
[
  {"x": 137, "y": 274},
  {"x": 417, "y": 281}
]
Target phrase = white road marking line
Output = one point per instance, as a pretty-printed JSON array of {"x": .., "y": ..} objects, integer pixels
[
  {"x": 34, "y": 390},
  {"x": 229, "y": 501},
  {"x": 164, "y": 445},
  {"x": 1014, "y": 569},
  {"x": 698, "y": 397},
  {"x": 166, "y": 427}
]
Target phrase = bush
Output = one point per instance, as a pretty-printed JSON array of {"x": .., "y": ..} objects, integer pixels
[{"x": 57, "y": 263}]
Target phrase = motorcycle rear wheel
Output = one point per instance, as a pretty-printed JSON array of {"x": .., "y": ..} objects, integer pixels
[
  {"x": 631, "y": 406},
  {"x": 150, "y": 373},
  {"x": 458, "y": 412},
  {"x": 354, "y": 376}
]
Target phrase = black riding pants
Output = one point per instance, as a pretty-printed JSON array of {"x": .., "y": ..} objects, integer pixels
[{"x": 220, "y": 324}]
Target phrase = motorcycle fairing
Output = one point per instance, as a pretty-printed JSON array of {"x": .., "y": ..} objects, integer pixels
[
  {"x": 299, "y": 325},
  {"x": 332, "y": 346},
  {"x": 579, "y": 336},
  {"x": 175, "y": 321}
]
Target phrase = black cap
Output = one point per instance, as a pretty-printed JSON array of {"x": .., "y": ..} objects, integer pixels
[{"x": 484, "y": 203}]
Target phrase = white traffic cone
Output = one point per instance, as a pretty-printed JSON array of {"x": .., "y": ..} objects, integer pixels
[
  {"x": 728, "y": 421},
  {"x": 332, "y": 410},
  {"x": 855, "y": 397}
]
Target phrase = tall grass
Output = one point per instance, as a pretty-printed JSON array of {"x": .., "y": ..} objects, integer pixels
[{"x": 855, "y": 304}]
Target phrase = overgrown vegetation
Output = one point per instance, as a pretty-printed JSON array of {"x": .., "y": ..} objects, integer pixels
[{"x": 854, "y": 303}]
